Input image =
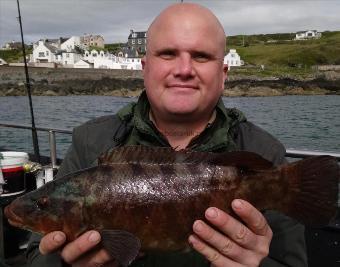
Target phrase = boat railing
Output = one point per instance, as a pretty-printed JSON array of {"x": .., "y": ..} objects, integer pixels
[
  {"x": 51, "y": 137},
  {"x": 290, "y": 153}
]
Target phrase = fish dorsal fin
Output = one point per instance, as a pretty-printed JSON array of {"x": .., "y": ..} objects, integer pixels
[
  {"x": 241, "y": 159},
  {"x": 166, "y": 155},
  {"x": 121, "y": 245}
]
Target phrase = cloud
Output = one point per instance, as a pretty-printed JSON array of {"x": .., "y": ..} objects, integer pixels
[{"x": 114, "y": 18}]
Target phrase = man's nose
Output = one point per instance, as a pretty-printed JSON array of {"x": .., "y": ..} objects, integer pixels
[{"x": 184, "y": 66}]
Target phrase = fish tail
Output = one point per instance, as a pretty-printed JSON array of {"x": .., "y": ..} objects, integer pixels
[{"x": 313, "y": 189}]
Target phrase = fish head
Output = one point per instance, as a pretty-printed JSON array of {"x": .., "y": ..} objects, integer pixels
[{"x": 49, "y": 208}]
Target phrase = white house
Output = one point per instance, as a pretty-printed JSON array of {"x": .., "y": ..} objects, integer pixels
[
  {"x": 232, "y": 59},
  {"x": 70, "y": 44},
  {"x": 70, "y": 58},
  {"x": 3, "y": 62},
  {"x": 43, "y": 52},
  {"x": 61, "y": 51},
  {"x": 83, "y": 64},
  {"x": 310, "y": 34},
  {"x": 91, "y": 55},
  {"x": 103, "y": 60}
]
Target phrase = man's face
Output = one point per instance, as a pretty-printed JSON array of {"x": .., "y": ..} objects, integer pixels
[{"x": 183, "y": 69}]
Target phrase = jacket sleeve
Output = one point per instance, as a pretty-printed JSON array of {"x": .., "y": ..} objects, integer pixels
[{"x": 288, "y": 246}]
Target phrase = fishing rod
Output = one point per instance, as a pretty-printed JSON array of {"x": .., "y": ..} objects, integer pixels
[{"x": 28, "y": 88}]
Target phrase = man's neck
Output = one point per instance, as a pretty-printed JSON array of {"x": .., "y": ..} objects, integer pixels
[{"x": 180, "y": 133}]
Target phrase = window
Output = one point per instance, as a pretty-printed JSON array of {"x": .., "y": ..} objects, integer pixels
[
  {"x": 134, "y": 35},
  {"x": 67, "y": 55},
  {"x": 139, "y": 41},
  {"x": 47, "y": 53},
  {"x": 41, "y": 54},
  {"x": 133, "y": 41}
]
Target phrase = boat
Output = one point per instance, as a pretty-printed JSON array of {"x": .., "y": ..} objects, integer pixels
[{"x": 323, "y": 244}]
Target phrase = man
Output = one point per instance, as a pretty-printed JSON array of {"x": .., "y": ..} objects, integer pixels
[{"x": 181, "y": 107}]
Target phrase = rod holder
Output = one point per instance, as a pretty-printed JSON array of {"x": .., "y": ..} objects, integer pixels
[{"x": 53, "y": 148}]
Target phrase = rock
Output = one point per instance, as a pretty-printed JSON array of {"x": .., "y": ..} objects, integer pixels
[{"x": 50, "y": 93}]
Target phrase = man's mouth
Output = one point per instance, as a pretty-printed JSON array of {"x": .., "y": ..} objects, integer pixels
[{"x": 184, "y": 86}]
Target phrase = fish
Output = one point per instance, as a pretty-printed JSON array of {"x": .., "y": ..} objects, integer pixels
[{"x": 147, "y": 198}]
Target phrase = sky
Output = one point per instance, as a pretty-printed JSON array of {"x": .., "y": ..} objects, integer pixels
[{"x": 113, "y": 19}]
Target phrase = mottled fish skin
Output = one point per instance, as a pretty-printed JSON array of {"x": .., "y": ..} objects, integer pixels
[{"x": 158, "y": 200}]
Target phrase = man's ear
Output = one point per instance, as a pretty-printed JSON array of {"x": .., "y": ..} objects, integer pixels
[
  {"x": 143, "y": 61},
  {"x": 225, "y": 71}
]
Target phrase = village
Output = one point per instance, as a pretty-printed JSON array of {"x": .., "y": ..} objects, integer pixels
[{"x": 88, "y": 51}]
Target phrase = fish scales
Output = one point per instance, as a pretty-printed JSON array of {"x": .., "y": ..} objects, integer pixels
[
  {"x": 149, "y": 197},
  {"x": 139, "y": 193}
]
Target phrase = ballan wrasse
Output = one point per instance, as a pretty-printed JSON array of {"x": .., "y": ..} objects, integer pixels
[{"x": 138, "y": 196}]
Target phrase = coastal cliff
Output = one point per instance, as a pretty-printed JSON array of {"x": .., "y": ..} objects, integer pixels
[{"x": 57, "y": 82}]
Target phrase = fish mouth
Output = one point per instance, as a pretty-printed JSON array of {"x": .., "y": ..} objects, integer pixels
[{"x": 13, "y": 219}]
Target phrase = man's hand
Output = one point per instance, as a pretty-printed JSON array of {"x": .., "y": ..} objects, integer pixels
[
  {"x": 80, "y": 252},
  {"x": 235, "y": 244}
]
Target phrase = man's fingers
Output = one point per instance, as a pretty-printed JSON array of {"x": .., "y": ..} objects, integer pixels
[
  {"x": 51, "y": 242},
  {"x": 75, "y": 249},
  {"x": 253, "y": 218},
  {"x": 218, "y": 241},
  {"x": 237, "y": 232},
  {"x": 212, "y": 255}
]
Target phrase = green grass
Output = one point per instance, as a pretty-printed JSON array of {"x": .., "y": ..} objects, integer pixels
[
  {"x": 14, "y": 55},
  {"x": 302, "y": 54}
]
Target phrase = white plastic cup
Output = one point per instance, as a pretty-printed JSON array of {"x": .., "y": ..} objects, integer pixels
[{"x": 12, "y": 174}]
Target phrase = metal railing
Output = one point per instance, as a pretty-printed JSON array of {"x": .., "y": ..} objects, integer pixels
[
  {"x": 51, "y": 137},
  {"x": 291, "y": 153}
]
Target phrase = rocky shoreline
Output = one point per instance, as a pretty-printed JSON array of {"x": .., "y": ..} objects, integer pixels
[{"x": 127, "y": 83}]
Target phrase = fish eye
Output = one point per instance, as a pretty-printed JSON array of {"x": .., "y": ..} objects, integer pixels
[{"x": 43, "y": 202}]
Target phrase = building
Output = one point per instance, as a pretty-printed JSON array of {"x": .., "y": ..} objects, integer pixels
[
  {"x": 83, "y": 64},
  {"x": 12, "y": 46},
  {"x": 232, "y": 59},
  {"x": 128, "y": 52},
  {"x": 137, "y": 41},
  {"x": 44, "y": 52},
  {"x": 89, "y": 40},
  {"x": 62, "y": 51},
  {"x": 71, "y": 44},
  {"x": 310, "y": 34},
  {"x": 102, "y": 60},
  {"x": 3, "y": 62}
]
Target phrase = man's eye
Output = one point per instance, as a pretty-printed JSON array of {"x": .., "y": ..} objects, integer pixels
[
  {"x": 167, "y": 55},
  {"x": 201, "y": 58}
]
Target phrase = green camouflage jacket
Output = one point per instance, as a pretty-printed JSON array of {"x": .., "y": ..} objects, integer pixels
[{"x": 229, "y": 131}]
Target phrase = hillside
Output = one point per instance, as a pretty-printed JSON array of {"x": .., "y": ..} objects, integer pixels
[{"x": 280, "y": 50}]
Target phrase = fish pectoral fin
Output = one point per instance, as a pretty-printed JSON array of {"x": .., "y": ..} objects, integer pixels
[{"x": 121, "y": 245}]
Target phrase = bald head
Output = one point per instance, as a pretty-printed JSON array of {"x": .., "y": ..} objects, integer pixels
[{"x": 190, "y": 16}]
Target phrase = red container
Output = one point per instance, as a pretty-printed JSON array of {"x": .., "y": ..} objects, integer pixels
[{"x": 12, "y": 174}]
